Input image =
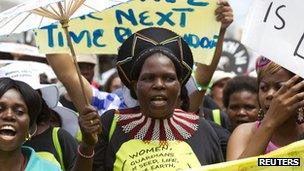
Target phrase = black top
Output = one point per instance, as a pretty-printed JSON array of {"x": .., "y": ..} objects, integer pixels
[
  {"x": 223, "y": 135},
  {"x": 208, "y": 102},
  {"x": 208, "y": 114},
  {"x": 44, "y": 143},
  {"x": 203, "y": 146}
]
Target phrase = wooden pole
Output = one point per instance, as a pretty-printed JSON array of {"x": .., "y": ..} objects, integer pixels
[
  {"x": 65, "y": 24},
  {"x": 71, "y": 47}
]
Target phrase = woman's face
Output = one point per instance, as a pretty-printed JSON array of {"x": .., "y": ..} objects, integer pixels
[
  {"x": 217, "y": 91},
  {"x": 157, "y": 88},
  {"x": 115, "y": 84},
  {"x": 14, "y": 120},
  {"x": 243, "y": 107},
  {"x": 269, "y": 85}
]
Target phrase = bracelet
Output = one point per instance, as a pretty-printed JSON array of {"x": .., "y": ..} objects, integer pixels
[
  {"x": 197, "y": 85},
  {"x": 83, "y": 155},
  {"x": 202, "y": 87}
]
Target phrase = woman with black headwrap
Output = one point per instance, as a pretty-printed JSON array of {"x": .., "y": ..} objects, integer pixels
[{"x": 155, "y": 64}]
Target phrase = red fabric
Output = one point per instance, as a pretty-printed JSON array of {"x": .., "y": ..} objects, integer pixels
[{"x": 135, "y": 124}]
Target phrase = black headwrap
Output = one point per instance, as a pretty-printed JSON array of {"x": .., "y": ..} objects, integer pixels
[{"x": 144, "y": 43}]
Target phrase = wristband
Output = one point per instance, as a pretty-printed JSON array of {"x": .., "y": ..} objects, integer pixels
[
  {"x": 202, "y": 87},
  {"x": 83, "y": 155},
  {"x": 199, "y": 86}
]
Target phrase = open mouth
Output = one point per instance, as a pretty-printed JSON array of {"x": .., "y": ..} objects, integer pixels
[
  {"x": 7, "y": 132},
  {"x": 159, "y": 100}
]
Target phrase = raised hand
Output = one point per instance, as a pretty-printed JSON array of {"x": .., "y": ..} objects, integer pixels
[
  {"x": 286, "y": 101},
  {"x": 224, "y": 13},
  {"x": 90, "y": 125}
]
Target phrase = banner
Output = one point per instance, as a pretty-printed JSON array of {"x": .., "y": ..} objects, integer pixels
[
  {"x": 104, "y": 32},
  {"x": 282, "y": 159},
  {"x": 275, "y": 30}
]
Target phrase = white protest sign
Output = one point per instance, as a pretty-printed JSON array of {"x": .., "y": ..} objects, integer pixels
[{"x": 275, "y": 29}]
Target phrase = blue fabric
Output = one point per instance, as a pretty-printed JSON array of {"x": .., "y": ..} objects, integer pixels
[
  {"x": 35, "y": 163},
  {"x": 104, "y": 101},
  {"x": 119, "y": 93},
  {"x": 110, "y": 98},
  {"x": 98, "y": 103}
]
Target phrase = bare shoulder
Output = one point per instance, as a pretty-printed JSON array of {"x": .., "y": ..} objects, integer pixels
[
  {"x": 242, "y": 133},
  {"x": 239, "y": 140},
  {"x": 245, "y": 129}
]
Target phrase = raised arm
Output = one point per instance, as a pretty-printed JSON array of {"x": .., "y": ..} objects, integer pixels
[
  {"x": 65, "y": 70},
  {"x": 203, "y": 75}
]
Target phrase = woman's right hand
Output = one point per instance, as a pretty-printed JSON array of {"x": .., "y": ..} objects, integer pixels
[
  {"x": 90, "y": 125},
  {"x": 224, "y": 13},
  {"x": 285, "y": 102}
]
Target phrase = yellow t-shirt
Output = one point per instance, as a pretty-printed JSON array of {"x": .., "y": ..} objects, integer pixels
[{"x": 138, "y": 155}]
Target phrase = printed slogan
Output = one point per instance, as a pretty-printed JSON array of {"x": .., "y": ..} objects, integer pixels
[
  {"x": 104, "y": 32},
  {"x": 152, "y": 156}
]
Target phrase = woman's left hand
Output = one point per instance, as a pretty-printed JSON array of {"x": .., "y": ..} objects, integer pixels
[
  {"x": 224, "y": 13},
  {"x": 90, "y": 125}
]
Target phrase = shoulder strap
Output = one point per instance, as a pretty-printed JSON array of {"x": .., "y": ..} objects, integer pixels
[
  {"x": 58, "y": 146},
  {"x": 216, "y": 116},
  {"x": 113, "y": 126},
  {"x": 79, "y": 136}
]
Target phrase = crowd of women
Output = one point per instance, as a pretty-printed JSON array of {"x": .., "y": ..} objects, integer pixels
[{"x": 168, "y": 127}]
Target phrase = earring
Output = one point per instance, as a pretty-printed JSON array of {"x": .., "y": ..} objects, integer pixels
[
  {"x": 28, "y": 137},
  {"x": 260, "y": 115},
  {"x": 300, "y": 115}
]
